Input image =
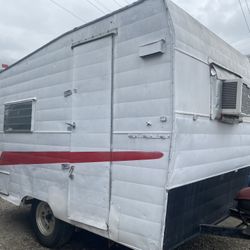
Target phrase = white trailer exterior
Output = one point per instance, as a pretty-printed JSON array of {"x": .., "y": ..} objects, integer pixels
[{"x": 123, "y": 138}]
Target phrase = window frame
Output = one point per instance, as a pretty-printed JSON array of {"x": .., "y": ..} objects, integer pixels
[{"x": 33, "y": 102}]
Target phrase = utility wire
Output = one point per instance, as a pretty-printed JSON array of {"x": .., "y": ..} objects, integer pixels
[
  {"x": 248, "y": 7},
  {"x": 68, "y": 11},
  {"x": 244, "y": 15},
  {"x": 126, "y": 1},
  {"x": 96, "y": 7},
  {"x": 117, "y": 3},
  {"x": 103, "y": 6}
]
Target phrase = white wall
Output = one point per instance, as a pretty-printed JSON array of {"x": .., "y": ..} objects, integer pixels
[{"x": 192, "y": 85}]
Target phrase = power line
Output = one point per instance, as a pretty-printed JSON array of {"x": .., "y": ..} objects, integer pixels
[
  {"x": 126, "y": 1},
  {"x": 96, "y": 7},
  {"x": 244, "y": 15},
  {"x": 68, "y": 11},
  {"x": 117, "y": 3},
  {"x": 103, "y": 6},
  {"x": 247, "y": 6}
]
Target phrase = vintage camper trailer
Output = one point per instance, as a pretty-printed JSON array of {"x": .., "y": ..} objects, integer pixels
[{"x": 134, "y": 127}]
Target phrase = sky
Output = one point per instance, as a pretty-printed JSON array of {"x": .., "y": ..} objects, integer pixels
[{"x": 26, "y": 25}]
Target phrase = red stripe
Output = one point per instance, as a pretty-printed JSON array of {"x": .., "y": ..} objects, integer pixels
[
  {"x": 17, "y": 158},
  {"x": 5, "y": 66}
]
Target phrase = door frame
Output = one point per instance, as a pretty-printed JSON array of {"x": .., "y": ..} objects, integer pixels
[{"x": 111, "y": 33}]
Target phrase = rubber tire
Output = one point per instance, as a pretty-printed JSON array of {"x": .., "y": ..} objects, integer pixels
[{"x": 60, "y": 236}]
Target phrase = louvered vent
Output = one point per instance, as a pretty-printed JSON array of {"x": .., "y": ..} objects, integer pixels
[
  {"x": 235, "y": 98},
  {"x": 229, "y": 95}
]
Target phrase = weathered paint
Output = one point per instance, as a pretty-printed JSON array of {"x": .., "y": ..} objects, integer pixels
[{"x": 124, "y": 100}]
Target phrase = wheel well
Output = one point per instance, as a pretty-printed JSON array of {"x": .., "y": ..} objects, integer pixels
[{"x": 27, "y": 200}]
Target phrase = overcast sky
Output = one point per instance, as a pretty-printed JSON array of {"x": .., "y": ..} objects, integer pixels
[{"x": 25, "y": 25}]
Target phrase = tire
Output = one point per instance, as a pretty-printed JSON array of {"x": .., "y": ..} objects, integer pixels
[{"x": 49, "y": 231}]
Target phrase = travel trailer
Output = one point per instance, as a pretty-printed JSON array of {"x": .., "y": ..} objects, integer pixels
[{"x": 134, "y": 127}]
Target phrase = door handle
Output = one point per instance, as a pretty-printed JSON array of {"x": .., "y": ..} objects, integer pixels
[
  {"x": 71, "y": 125},
  {"x": 66, "y": 166}
]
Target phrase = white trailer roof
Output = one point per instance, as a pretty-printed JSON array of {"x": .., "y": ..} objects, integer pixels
[{"x": 195, "y": 39}]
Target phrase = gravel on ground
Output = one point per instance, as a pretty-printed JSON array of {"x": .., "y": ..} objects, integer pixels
[{"x": 16, "y": 234}]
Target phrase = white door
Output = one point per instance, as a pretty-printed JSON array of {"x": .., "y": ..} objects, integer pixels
[{"x": 89, "y": 184}]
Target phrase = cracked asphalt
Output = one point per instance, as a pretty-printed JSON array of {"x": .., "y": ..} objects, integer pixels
[{"x": 16, "y": 234}]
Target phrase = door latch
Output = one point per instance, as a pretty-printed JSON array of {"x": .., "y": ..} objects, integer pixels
[
  {"x": 68, "y": 93},
  {"x": 65, "y": 166}
]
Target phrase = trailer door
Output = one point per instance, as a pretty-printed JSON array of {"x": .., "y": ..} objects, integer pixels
[{"x": 89, "y": 177}]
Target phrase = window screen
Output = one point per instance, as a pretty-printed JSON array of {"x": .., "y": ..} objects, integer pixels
[{"x": 18, "y": 117}]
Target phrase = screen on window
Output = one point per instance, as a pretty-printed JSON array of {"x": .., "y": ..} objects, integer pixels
[{"x": 18, "y": 117}]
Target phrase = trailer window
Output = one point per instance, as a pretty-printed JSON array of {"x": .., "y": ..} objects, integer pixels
[{"x": 18, "y": 117}]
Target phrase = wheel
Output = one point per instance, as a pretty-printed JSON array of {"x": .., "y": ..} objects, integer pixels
[{"x": 49, "y": 231}]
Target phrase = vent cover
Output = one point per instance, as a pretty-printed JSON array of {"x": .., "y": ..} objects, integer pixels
[
  {"x": 235, "y": 98},
  {"x": 229, "y": 95}
]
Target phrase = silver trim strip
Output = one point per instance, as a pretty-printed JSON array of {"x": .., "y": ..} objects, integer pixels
[
  {"x": 22, "y": 100},
  {"x": 141, "y": 132},
  {"x": 192, "y": 114},
  {"x": 94, "y": 38}
]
